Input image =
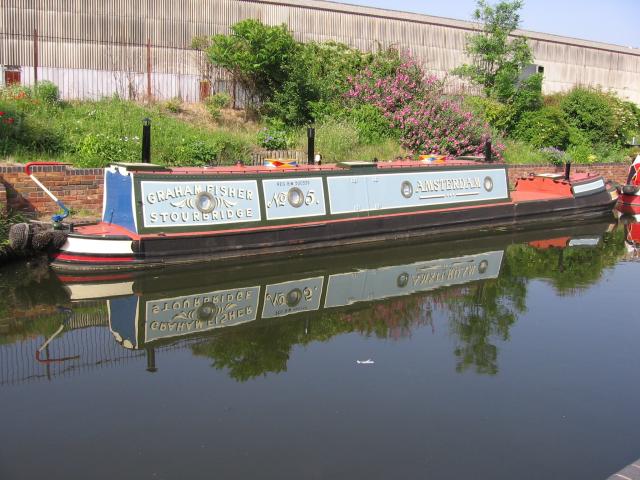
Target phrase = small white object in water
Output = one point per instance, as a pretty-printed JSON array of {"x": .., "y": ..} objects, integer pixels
[{"x": 365, "y": 362}]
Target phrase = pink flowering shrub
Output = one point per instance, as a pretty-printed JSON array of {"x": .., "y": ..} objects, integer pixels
[{"x": 415, "y": 105}]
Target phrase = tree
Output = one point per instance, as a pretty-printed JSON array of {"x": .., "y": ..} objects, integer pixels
[
  {"x": 497, "y": 58},
  {"x": 256, "y": 55}
]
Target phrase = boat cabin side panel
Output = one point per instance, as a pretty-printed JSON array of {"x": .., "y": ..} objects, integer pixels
[{"x": 202, "y": 203}]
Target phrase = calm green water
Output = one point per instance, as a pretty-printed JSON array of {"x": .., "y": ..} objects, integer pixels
[{"x": 512, "y": 356}]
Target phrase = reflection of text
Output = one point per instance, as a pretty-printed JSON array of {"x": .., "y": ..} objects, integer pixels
[{"x": 456, "y": 272}]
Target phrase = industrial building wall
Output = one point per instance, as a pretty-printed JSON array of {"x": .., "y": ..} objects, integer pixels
[{"x": 96, "y": 48}]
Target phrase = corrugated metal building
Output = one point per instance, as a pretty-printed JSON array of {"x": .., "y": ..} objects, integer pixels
[{"x": 95, "y": 48}]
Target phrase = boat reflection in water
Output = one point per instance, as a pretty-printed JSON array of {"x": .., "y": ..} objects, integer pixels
[{"x": 380, "y": 292}]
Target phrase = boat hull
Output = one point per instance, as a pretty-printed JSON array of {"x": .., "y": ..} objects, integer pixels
[{"x": 110, "y": 253}]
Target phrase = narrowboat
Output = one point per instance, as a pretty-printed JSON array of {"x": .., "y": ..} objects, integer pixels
[
  {"x": 629, "y": 193},
  {"x": 155, "y": 216}
]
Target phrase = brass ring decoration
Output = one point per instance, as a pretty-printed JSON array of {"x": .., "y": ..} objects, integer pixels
[
  {"x": 406, "y": 189},
  {"x": 295, "y": 197},
  {"x": 206, "y": 311},
  {"x": 205, "y": 202},
  {"x": 488, "y": 184},
  {"x": 293, "y": 297},
  {"x": 483, "y": 266},
  {"x": 403, "y": 280}
]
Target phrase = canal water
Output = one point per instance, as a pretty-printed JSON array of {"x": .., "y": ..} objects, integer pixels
[{"x": 514, "y": 355}]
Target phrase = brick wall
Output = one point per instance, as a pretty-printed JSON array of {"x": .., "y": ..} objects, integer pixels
[
  {"x": 81, "y": 189},
  {"x": 3, "y": 198}
]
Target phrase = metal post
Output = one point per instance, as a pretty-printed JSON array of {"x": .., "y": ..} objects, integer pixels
[
  {"x": 146, "y": 141},
  {"x": 311, "y": 136},
  {"x": 35, "y": 57},
  {"x": 567, "y": 170},
  {"x": 151, "y": 360},
  {"x": 487, "y": 151}
]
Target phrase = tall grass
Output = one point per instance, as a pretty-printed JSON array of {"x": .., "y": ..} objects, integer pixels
[
  {"x": 339, "y": 142},
  {"x": 518, "y": 152},
  {"x": 96, "y": 133}
]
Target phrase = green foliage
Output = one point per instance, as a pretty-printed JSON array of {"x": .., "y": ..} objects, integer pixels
[
  {"x": 546, "y": 127},
  {"x": 196, "y": 152},
  {"x": 16, "y": 92},
  {"x": 626, "y": 117},
  {"x": 497, "y": 59},
  {"x": 553, "y": 155},
  {"x": 492, "y": 111},
  {"x": 371, "y": 125},
  {"x": 213, "y": 109},
  {"x": 96, "y": 133},
  {"x": 256, "y": 55},
  {"x": 504, "y": 116},
  {"x": 316, "y": 81},
  {"x": 581, "y": 154},
  {"x": 590, "y": 111},
  {"x": 518, "y": 152},
  {"x": 25, "y": 128},
  {"x": 274, "y": 136},
  {"x": 47, "y": 92},
  {"x": 220, "y": 100},
  {"x": 526, "y": 98},
  {"x": 174, "y": 105},
  {"x": 335, "y": 140},
  {"x": 339, "y": 140},
  {"x": 100, "y": 149},
  {"x": 6, "y": 220}
]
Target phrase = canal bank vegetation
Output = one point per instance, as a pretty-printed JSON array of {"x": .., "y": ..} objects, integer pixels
[{"x": 364, "y": 105}]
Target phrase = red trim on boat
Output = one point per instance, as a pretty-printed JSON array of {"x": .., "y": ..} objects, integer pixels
[
  {"x": 629, "y": 199},
  {"x": 87, "y": 259},
  {"x": 559, "y": 242},
  {"x": 93, "y": 278}
]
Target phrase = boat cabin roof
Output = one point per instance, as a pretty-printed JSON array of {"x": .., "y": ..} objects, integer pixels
[{"x": 253, "y": 169}]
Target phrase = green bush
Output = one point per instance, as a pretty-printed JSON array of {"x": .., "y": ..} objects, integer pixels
[
  {"x": 47, "y": 92},
  {"x": 335, "y": 140},
  {"x": 581, "y": 154},
  {"x": 214, "y": 111},
  {"x": 590, "y": 111},
  {"x": 233, "y": 150},
  {"x": 196, "y": 152},
  {"x": 626, "y": 120},
  {"x": 274, "y": 136},
  {"x": 174, "y": 105},
  {"x": 492, "y": 111},
  {"x": 370, "y": 124},
  {"x": 21, "y": 133},
  {"x": 520, "y": 153},
  {"x": 527, "y": 98},
  {"x": 100, "y": 149},
  {"x": 16, "y": 92},
  {"x": 553, "y": 155},
  {"x": 546, "y": 127},
  {"x": 220, "y": 100}
]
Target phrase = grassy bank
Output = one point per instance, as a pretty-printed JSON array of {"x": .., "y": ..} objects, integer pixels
[{"x": 35, "y": 126}]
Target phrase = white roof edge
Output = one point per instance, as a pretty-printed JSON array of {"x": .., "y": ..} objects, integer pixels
[{"x": 445, "y": 22}]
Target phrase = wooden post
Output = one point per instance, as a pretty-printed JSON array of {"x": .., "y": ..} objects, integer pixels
[
  {"x": 233, "y": 93},
  {"x": 148, "y": 70},
  {"x": 35, "y": 57}
]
